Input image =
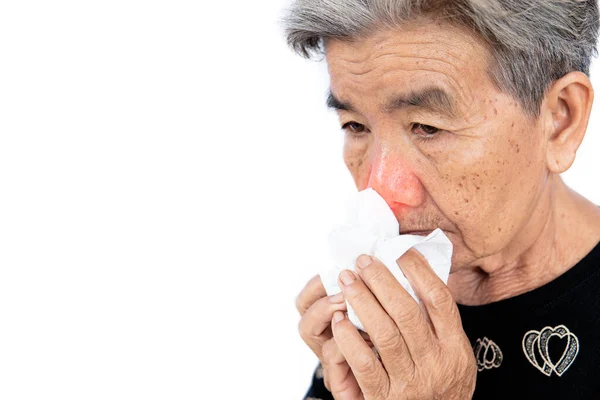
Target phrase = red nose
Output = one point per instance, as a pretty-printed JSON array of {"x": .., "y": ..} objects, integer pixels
[{"x": 393, "y": 178}]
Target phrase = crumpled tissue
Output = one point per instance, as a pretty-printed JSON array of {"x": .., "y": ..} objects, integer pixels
[{"x": 371, "y": 228}]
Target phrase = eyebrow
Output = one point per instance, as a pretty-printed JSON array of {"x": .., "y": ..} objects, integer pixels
[{"x": 432, "y": 99}]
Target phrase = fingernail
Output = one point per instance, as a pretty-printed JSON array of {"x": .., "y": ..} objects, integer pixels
[
  {"x": 347, "y": 277},
  {"x": 337, "y": 298},
  {"x": 337, "y": 316},
  {"x": 363, "y": 261}
]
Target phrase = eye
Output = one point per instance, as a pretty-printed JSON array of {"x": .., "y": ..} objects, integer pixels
[
  {"x": 354, "y": 128},
  {"x": 424, "y": 130}
]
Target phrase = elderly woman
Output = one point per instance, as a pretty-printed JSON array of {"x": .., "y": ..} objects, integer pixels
[{"x": 462, "y": 115}]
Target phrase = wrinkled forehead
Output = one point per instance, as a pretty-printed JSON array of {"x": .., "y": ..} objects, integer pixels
[
  {"x": 421, "y": 38},
  {"x": 418, "y": 55}
]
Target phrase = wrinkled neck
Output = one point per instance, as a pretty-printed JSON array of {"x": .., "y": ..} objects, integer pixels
[{"x": 562, "y": 230}]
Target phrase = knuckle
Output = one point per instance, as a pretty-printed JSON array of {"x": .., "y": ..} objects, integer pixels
[
  {"x": 366, "y": 366},
  {"x": 313, "y": 342},
  {"x": 300, "y": 305},
  {"x": 312, "y": 286},
  {"x": 440, "y": 299},
  {"x": 302, "y": 328},
  {"x": 306, "y": 329},
  {"x": 307, "y": 337},
  {"x": 468, "y": 360},
  {"x": 388, "y": 338},
  {"x": 409, "y": 316},
  {"x": 315, "y": 284},
  {"x": 316, "y": 320}
]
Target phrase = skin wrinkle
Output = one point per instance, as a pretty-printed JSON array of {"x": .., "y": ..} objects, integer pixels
[
  {"x": 419, "y": 58},
  {"x": 391, "y": 57},
  {"x": 432, "y": 53},
  {"x": 457, "y": 181},
  {"x": 446, "y": 57},
  {"x": 433, "y": 99},
  {"x": 419, "y": 44},
  {"x": 440, "y": 83},
  {"x": 505, "y": 275},
  {"x": 470, "y": 118}
]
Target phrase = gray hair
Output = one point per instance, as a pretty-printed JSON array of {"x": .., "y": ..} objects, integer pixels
[{"x": 532, "y": 42}]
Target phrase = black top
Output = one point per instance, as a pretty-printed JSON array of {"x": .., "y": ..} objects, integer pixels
[{"x": 543, "y": 344}]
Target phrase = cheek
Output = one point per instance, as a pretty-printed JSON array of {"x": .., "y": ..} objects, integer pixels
[
  {"x": 355, "y": 157},
  {"x": 486, "y": 186},
  {"x": 459, "y": 176}
]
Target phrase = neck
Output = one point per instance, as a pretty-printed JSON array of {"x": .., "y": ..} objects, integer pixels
[{"x": 563, "y": 229}]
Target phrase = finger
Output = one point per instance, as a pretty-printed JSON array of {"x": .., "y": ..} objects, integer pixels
[
  {"x": 332, "y": 353},
  {"x": 312, "y": 292},
  {"x": 337, "y": 375},
  {"x": 382, "y": 329},
  {"x": 366, "y": 367},
  {"x": 399, "y": 305},
  {"x": 314, "y": 326},
  {"x": 433, "y": 294}
]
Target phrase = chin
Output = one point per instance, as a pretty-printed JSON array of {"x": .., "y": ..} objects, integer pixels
[{"x": 461, "y": 256}]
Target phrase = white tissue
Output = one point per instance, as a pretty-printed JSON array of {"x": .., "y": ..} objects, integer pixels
[{"x": 371, "y": 228}]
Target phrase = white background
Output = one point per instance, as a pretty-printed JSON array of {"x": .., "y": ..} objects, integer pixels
[{"x": 168, "y": 173}]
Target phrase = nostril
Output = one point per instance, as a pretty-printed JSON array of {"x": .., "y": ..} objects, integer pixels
[
  {"x": 401, "y": 193},
  {"x": 398, "y": 208}
]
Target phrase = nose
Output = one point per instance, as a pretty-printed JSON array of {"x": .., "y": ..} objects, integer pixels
[{"x": 392, "y": 176}]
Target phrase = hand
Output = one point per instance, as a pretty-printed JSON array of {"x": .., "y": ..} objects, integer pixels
[
  {"x": 316, "y": 310},
  {"x": 424, "y": 352}
]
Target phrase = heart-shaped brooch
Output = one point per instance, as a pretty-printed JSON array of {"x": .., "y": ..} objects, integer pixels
[
  {"x": 487, "y": 354},
  {"x": 536, "y": 346}
]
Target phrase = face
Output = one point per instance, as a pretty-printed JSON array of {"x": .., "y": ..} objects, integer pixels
[{"x": 426, "y": 128}]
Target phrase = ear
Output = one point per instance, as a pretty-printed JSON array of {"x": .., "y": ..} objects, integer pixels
[{"x": 568, "y": 106}]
